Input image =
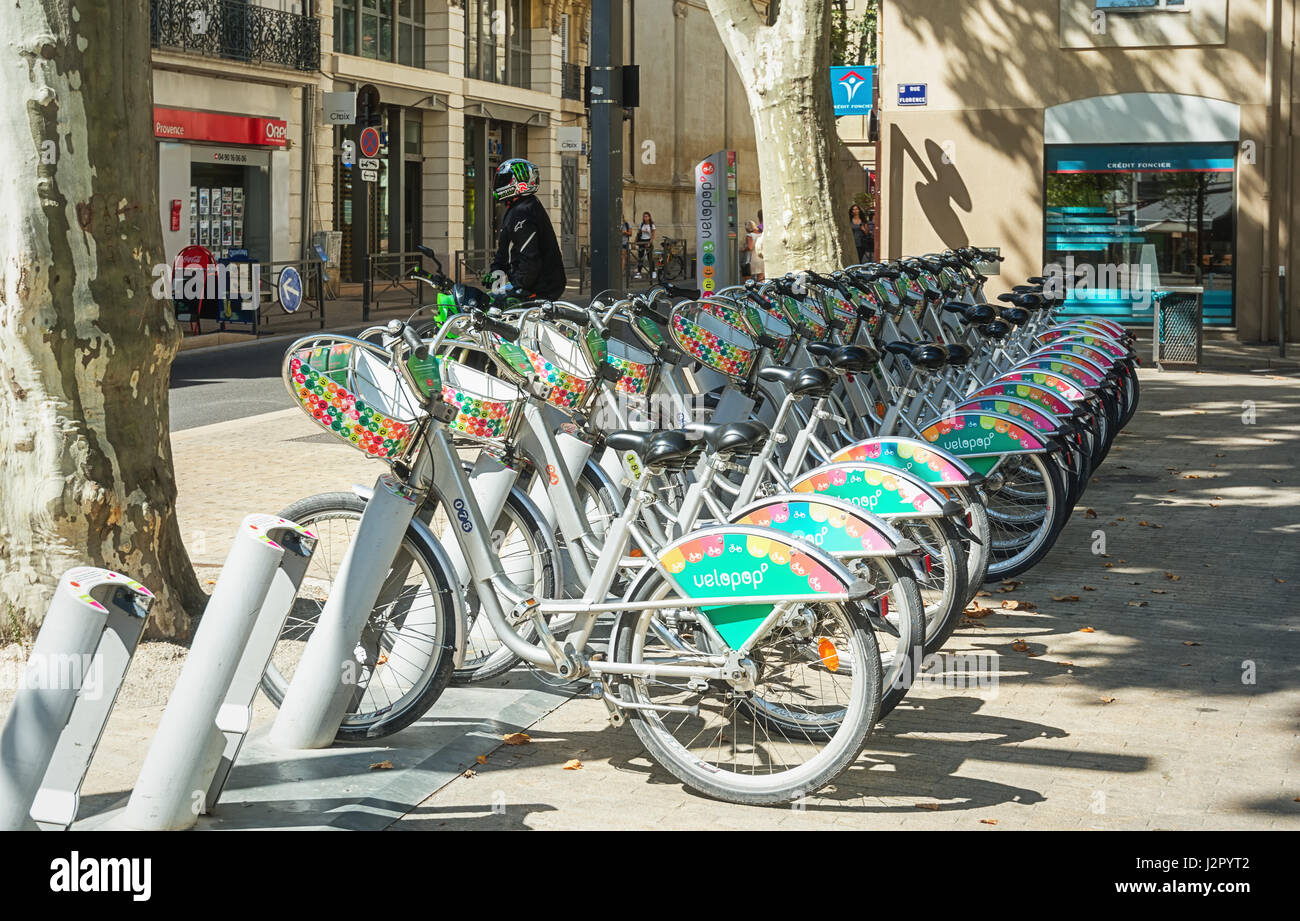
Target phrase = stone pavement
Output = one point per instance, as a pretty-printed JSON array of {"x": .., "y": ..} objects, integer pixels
[{"x": 1164, "y": 697}]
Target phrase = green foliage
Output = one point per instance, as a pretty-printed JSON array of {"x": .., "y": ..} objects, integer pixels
[{"x": 853, "y": 38}]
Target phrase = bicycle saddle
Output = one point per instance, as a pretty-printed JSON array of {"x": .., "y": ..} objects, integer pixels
[
  {"x": 800, "y": 381},
  {"x": 857, "y": 359},
  {"x": 979, "y": 313},
  {"x": 666, "y": 448},
  {"x": 1017, "y": 316},
  {"x": 731, "y": 437},
  {"x": 955, "y": 307},
  {"x": 928, "y": 356},
  {"x": 958, "y": 354},
  {"x": 996, "y": 329}
]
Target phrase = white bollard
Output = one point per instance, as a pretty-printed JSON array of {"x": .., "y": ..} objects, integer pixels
[
  {"x": 67, "y": 693},
  {"x": 328, "y": 673},
  {"x": 172, "y": 787}
]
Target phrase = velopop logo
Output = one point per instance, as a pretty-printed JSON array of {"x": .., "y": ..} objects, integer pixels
[{"x": 103, "y": 874}]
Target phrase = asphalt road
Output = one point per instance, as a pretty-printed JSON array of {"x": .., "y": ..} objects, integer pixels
[{"x": 227, "y": 382}]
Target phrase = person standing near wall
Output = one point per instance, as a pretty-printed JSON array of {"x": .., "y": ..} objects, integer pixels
[
  {"x": 645, "y": 240},
  {"x": 755, "y": 240},
  {"x": 747, "y": 251},
  {"x": 858, "y": 224}
]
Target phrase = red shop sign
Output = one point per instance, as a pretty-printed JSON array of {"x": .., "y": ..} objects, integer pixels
[{"x": 188, "y": 125}]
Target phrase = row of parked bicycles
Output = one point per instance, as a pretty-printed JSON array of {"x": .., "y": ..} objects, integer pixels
[{"x": 741, "y": 521}]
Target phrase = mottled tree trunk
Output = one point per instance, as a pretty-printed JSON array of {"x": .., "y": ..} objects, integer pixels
[
  {"x": 85, "y": 349},
  {"x": 784, "y": 67}
]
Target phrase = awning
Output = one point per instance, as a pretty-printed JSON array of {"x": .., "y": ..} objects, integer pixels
[{"x": 503, "y": 113}]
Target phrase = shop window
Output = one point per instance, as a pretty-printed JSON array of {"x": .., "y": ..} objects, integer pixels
[
  {"x": 497, "y": 39},
  {"x": 386, "y": 30},
  {"x": 1135, "y": 215}
]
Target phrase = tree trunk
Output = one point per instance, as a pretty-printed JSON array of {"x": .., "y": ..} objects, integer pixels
[
  {"x": 785, "y": 71},
  {"x": 85, "y": 349}
]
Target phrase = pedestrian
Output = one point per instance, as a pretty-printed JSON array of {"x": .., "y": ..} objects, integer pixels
[
  {"x": 747, "y": 251},
  {"x": 858, "y": 224},
  {"x": 645, "y": 241},
  {"x": 871, "y": 233},
  {"x": 756, "y": 255},
  {"x": 626, "y": 230},
  {"x": 760, "y": 220}
]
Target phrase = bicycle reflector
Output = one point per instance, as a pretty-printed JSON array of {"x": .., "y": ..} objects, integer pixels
[{"x": 827, "y": 653}]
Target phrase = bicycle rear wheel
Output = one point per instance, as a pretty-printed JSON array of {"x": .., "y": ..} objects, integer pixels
[{"x": 727, "y": 748}]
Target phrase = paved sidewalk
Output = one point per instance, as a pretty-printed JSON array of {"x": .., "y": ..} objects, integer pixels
[{"x": 1176, "y": 710}]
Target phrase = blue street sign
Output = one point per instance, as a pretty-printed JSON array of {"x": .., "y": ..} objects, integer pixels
[
  {"x": 852, "y": 88},
  {"x": 290, "y": 288},
  {"x": 911, "y": 94}
]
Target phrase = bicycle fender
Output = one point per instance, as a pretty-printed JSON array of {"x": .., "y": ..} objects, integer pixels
[
  {"x": 739, "y": 561},
  {"x": 876, "y": 488},
  {"x": 934, "y": 466},
  {"x": 837, "y": 526},
  {"x": 983, "y": 438}
]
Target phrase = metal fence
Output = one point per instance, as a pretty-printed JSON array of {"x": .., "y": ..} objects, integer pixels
[
  {"x": 237, "y": 31},
  {"x": 387, "y": 280},
  {"x": 472, "y": 265},
  {"x": 1177, "y": 335}
]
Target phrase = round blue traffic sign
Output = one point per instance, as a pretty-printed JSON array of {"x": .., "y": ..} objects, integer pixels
[
  {"x": 369, "y": 142},
  {"x": 289, "y": 287}
]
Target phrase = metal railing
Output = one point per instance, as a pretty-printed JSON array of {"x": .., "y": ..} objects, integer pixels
[
  {"x": 236, "y": 31},
  {"x": 571, "y": 81},
  {"x": 387, "y": 277},
  {"x": 473, "y": 264}
]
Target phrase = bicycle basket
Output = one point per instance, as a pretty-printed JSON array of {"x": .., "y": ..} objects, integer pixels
[
  {"x": 562, "y": 358},
  {"x": 837, "y": 307},
  {"x": 635, "y": 366},
  {"x": 807, "y": 312},
  {"x": 349, "y": 388},
  {"x": 487, "y": 407},
  {"x": 710, "y": 341}
]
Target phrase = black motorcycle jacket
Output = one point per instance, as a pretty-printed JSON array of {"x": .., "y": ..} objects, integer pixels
[{"x": 528, "y": 252}]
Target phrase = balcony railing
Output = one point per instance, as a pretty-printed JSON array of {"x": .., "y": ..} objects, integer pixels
[
  {"x": 236, "y": 31},
  {"x": 571, "y": 87}
]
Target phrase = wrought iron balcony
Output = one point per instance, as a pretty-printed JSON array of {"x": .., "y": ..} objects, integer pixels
[
  {"x": 571, "y": 87},
  {"x": 236, "y": 30}
]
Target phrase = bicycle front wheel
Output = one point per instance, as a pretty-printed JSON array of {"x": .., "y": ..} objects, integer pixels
[
  {"x": 407, "y": 648},
  {"x": 722, "y": 741}
]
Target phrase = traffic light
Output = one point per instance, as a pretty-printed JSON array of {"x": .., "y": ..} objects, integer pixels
[{"x": 368, "y": 112}]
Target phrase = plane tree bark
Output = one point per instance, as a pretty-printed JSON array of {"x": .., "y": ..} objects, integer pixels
[
  {"x": 85, "y": 349},
  {"x": 784, "y": 67}
]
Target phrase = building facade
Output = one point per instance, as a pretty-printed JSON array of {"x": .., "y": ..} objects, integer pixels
[
  {"x": 1135, "y": 139},
  {"x": 243, "y": 100}
]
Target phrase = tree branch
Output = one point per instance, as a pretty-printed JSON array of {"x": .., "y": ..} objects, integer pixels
[{"x": 739, "y": 24}]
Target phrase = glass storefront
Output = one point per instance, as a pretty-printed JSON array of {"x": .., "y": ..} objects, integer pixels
[
  {"x": 1134, "y": 215},
  {"x": 487, "y": 143}
]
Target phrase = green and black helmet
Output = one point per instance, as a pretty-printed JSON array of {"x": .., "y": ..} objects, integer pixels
[{"x": 516, "y": 177}]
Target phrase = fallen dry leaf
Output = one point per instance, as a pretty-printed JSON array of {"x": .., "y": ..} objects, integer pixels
[
  {"x": 1121, "y": 518},
  {"x": 573, "y": 764},
  {"x": 1090, "y": 513},
  {"x": 1283, "y": 581},
  {"x": 1108, "y": 565},
  {"x": 1020, "y": 646},
  {"x": 983, "y": 594},
  {"x": 1014, "y": 583},
  {"x": 1032, "y": 655},
  {"x": 469, "y": 772},
  {"x": 1172, "y": 577},
  {"x": 933, "y": 806},
  {"x": 1106, "y": 700},
  {"x": 1087, "y": 630},
  {"x": 1143, "y": 524},
  {"x": 517, "y": 738},
  {"x": 977, "y": 613},
  {"x": 1190, "y": 643},
  {"x": 1065, "y": 597},
  {"x": 1012, "y": 605},
  {"x": 1089, "y": 588},
  {"x": 1159, "y": 591},
  {"x": 481, "y": 759},
  {"x": 988, "y": 821},
  {"x": 1172, "y": 490},
  {"x": 1138, "y": 604},
  {"x": 382, "y": 766}
]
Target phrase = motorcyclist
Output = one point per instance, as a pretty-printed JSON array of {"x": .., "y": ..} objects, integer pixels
[{"x": 528, "y": 263}]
